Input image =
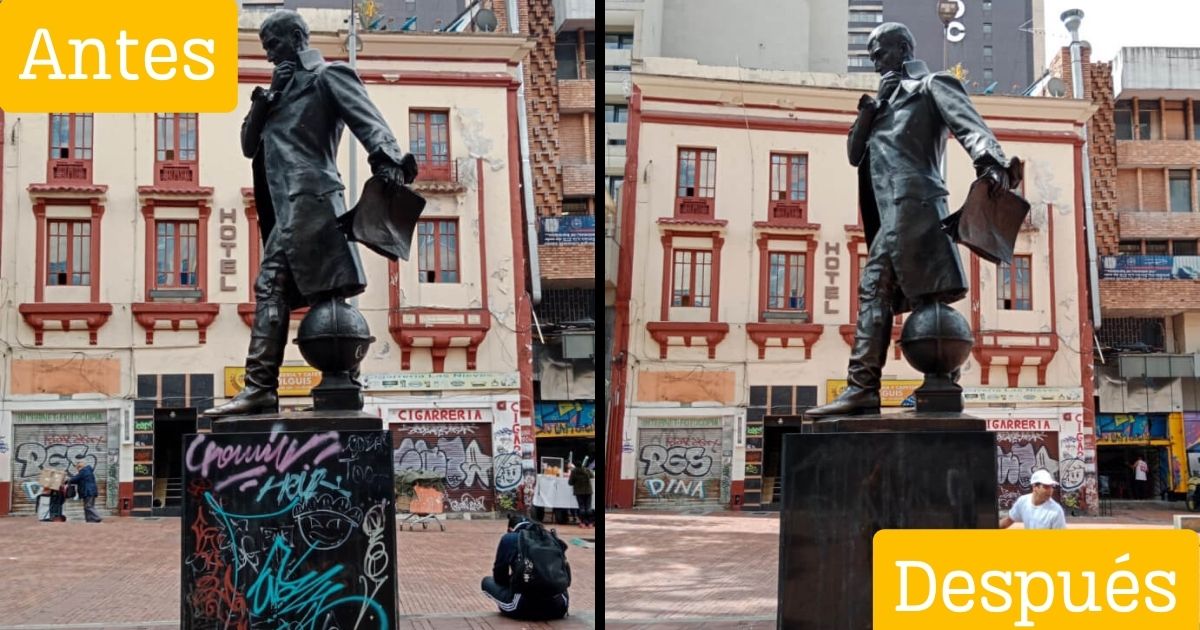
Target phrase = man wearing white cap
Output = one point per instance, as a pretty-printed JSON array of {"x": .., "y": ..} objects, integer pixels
[{"x": 1037, "y": 510}]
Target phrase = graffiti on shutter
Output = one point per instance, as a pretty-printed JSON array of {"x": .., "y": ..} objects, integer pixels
[
  {"x": 679, "y": 466},
  {"x": 462, "y": 452},
  {"x": 38, "y": 446}
]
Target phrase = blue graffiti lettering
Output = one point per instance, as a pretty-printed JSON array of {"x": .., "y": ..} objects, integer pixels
[{"x": 299, "y": 486}]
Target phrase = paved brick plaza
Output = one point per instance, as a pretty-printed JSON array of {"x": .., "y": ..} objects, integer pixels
[
  {"x": 671, "y": 571},
  {"x": 124, "y": 573}
]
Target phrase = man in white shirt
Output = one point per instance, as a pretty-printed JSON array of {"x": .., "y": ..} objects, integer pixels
[
  {"x": 1037, "y": 510},
  {"x": 1140, "y": 479}
]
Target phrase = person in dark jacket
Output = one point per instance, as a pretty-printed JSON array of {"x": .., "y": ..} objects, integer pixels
[
  {"x": 291, "y": 134},
  {"x": 498, "y": 585},
  {"x": 581, "y": 482},
  {"x": 898, "y": 142},
  {"x": 86, "y": 478}
]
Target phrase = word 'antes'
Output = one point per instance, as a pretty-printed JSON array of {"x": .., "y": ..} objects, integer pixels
[{"x": 160, "y": 58}]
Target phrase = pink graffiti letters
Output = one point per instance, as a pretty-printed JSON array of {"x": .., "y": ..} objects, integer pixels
[{"x": 278, "y": 455}]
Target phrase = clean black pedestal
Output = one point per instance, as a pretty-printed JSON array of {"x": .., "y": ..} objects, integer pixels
[
  {"x": 852, "y": 477},
  {"x": 289, "y": 521}
]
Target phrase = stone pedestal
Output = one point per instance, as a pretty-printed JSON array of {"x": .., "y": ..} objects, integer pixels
[
  {"x": 289, "y": 521},
  {"x": 851, "y": 477}
]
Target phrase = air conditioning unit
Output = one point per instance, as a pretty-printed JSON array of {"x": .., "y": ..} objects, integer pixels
[{"x": 579, "y": 345}]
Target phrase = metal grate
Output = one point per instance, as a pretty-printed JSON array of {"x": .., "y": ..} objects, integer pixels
[
  {"x": 567, "y": 305},
  {"x": 1143, "y": 334}
]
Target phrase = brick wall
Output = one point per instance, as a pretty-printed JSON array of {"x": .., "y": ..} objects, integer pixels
[
  {"x": 1127, "y": 189},
  {"x": 572, "y": 139},
  {"x": 1158, "y": 153},
  {"x": 541, "y": 100},
  {"x": 1159, "y": 225},
  {"x": 1154, "y": 190},
  {"x": 577, "y": 96},
  {"x": 568, "y": 262},
  {"x": 1147, "y": 296}
]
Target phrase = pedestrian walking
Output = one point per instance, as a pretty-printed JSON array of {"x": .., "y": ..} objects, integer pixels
[
  {"x": 1141, "y": 478},
  {"x": 580, "y": 479},
  {"x": 86, "y": 478},
  {"x": 1038, "y": 509}
]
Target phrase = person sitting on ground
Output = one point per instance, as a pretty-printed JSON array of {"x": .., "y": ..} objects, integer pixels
[
  {"x": 581, "y": 482},
  {"x": 1038, "y": 509},
  {"x": 538, "y": 592}
]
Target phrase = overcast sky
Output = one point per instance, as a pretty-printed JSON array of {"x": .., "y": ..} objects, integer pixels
[{"x": 1109, "y": 25}]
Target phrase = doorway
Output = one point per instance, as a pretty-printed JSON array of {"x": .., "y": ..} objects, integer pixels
[
  {"x": 170, "y": 425},
  {"x": 1114, "y": 466},
  {"x": 774, "y": 428}
]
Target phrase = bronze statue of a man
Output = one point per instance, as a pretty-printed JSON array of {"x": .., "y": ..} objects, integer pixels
[
  {"x": 898, "y": 143},
  {"x": 292, "y": 133}
]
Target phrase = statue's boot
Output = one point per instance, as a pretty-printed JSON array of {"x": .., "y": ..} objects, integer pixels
[
  {"x": 871, "y": 340},
  {"x": 268, "y": 340}
]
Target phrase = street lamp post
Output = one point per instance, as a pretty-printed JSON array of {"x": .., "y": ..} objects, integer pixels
[{"x": 946, "y": 10}]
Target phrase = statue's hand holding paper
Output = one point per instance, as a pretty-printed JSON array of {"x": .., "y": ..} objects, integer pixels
[
  {"x": 387, "y": 211},
  {"x": 992, "y": 215}
]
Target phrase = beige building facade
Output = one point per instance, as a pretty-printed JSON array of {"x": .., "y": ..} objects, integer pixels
[
  {"x": 130, "y": 247},
  {"x": 736, "y": 287}
]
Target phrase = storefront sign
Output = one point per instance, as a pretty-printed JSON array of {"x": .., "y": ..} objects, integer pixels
[
  {"x": 294, "y": 380},
  {"x": 58, "y": 417},
  {"x": 833, "y": 263},
  {"x": 1021, "y": 424},
  {"x": 892, "y": 393},
  {"x": 678, "y": 423},
  {"x": 1022, "y": 394},
  {"x": 449, "y": 414},
  {"x": 566, "y": 419},
  {"x": 426, "y": 381}
]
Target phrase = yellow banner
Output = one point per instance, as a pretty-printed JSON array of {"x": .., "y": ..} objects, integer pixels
[
  {"x": 118, "y": 56},
  {"x": 892, "y": 393},
  {"x": 1004, "y": 579},
  {"x": 294, "y": 380}
]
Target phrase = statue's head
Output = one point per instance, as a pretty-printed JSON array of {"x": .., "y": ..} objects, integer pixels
[
  {"x": 283, "y": 34},
  {"x": 890, "y": 45}
]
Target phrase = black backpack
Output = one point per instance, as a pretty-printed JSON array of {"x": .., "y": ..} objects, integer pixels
[{"x": 540, "y": 566}]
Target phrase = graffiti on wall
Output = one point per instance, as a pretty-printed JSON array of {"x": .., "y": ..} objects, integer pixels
[
  {"x": 288, "y": 531},
  {"x": 463, "y": 458},
  {"x": 679, "y": 466},
  {"x": 1018, "y": 454},
  {"x": 565, "y": 419},
  {"x": 506, "y": 444}
]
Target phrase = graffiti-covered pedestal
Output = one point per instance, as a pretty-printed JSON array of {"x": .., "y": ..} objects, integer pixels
[
  {"x": 289, "y": 521},
  {"x": 858, "y": 476}
]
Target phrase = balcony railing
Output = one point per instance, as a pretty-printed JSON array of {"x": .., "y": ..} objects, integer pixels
[
  {"x": 694, "y": 207},
  {"x": 1150, "y": 267},
  {"x": 70, "y": 171}
]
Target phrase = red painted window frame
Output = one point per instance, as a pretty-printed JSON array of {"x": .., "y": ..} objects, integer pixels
[
  {"x": 1014, "y": 293},
  {"x": 176, "y": 163},
  {"x": 429, "y": 168},
  {"x": 692, "y": 265},
  {"x": 789, "y": 257},
  {"x": 72, "y": 225},
  {"x": 63, "y": 169},
  {"x": 177, "y": 237},
  {"x": 703, "y": 197},
  {"x": 438, "y": 225},
  {"x": 787, "y": 204}
]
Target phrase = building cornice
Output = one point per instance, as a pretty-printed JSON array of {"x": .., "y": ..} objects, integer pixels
[
  {"x": 466, "y": 47},
  {"x": 680, "y": 81}
]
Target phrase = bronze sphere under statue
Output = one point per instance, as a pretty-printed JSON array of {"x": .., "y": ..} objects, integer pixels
[
  {"x": 937, "y": 340},
  {"x": 334, "y": 338}
]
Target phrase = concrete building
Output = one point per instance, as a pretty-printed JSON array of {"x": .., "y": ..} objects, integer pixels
[
  {"x": 735, "y": 298},
  {"x": 1145, "y": 146},
  {"x": 1001, "y": 45},
  {"x": 129, "y": 248}
]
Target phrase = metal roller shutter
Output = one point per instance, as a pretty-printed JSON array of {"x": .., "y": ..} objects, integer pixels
[
  {"x": 39, "y": 446},
  {"x": 679, "y": 467}
]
